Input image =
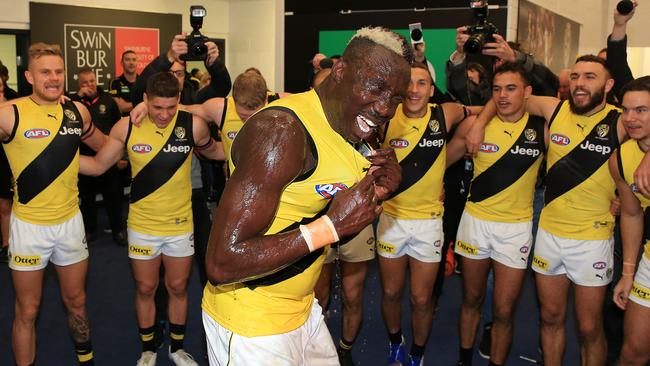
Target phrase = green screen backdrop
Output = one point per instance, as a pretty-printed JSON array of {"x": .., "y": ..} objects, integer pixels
[{"x": 440, "y": 44}]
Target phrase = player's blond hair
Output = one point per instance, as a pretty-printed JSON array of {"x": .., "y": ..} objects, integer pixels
[{"x": 40, "y": 49}]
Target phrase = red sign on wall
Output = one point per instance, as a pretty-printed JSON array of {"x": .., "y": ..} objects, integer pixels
[{"x": 143, "y": 41}]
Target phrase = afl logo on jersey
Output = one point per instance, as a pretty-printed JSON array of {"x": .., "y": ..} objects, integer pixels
[
  {"x": 330, "y": 189},
  {"x": 561, "y": 140},
  {"x": 489, "y": 148},
  {"x": 231, "y": 134},
  {"x": 434, "y": 125},
  {"x": 399, "y": 143},
  {"x": 37, "y": 133},
  {"x": 70, "y": 114},
  {"x": 602, "y": 130},
  {"x": 141, "y": 148},
  {"x": 530, "y": 134},
  {"x": 634, "y": 188}
]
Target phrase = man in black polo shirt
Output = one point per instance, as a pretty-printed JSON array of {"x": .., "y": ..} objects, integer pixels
[
  {"x": 105, "y": 113},
  {"x": 121, "y": 87}
]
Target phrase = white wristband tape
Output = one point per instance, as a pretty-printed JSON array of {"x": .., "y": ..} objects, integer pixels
[
  {"x": 307, "y": 236},
  {"x": 332, "y": 228}
]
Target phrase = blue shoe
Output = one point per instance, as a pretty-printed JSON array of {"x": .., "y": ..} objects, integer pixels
[
  {"x": 397, "y": 354},
  {"x": 415, "y": 361}
]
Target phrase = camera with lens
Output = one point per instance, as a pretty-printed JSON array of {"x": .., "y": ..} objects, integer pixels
[
  {"x": 483, "y": 31},
  {"x": 197, "y": 50}
]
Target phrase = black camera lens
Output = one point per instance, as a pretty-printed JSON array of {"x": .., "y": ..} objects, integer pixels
[
  {"x": 474, "y": 43},
  {"x": 624, "y": 7},
  {"x": 416, "y": 35},
  {"x": 199, "y": 50}
]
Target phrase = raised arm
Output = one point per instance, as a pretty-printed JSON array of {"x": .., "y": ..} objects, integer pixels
[
  {"x": 211, "y": 110},
  {"x": 204, "y": 144},
  {"x": 631, "y": 232},
  {"x": 455, "y": 113},
  {"x": 110, "y": 152},
  {"x": 276, "y": 153}
]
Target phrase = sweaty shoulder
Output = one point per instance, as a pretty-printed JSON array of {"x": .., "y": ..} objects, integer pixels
[
  {"x": 7, "y": 120},
  {"x": 274, "y": 139}
]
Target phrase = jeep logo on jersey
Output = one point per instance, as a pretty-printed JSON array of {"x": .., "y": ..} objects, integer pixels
[
  {"x": 530, "y": 134},
  {"x": 604, "y": 150},
  {"x": 561, "y": 140},
  {"x": 181, "y": 149},
  {"x": 330, "y": 189},
  {"x": 179, "y": 132},
  {"x": 602, "y": 130},
  {"x": 600, "y": 265},
  {"x": 36, "y": 133},
  {"x": 399, "y": 143},
  {"x": 231, "y": 134},
  {"x": 431, "y": 143},
  {"x": 70, "y": 114},
  {"x": 517, "y": 150},
  {"x": 434, "y": 125},
  {"x": 70, "y": 131},
  {"x": 489, "y": 148},
  {"x": 141, "y": 148}
]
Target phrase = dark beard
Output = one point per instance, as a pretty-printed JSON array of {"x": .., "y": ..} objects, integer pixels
[{"x": 596, "y": 99}]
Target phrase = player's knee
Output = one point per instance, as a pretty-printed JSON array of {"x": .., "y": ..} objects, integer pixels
[
  {"x": 27, "y": 311},
  {"x": 75, "y": 300},
  {"x": 421, "y": 300},
  {"x": 177, "y": 286},
  {"x": 552, "y": 316},
  {"x": 634, "y": 353},
  {"x": 392, "y": 294},
  {"x": 146, "y": 288},
  {"x": 590, "y": 329},
  {"x": 503, "y": 314},
  {"x": 472, "y": 298}
]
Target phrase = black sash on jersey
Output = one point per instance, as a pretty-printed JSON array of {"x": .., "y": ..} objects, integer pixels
[
  {"x": 54, "y": 159},
  {"x": 510, "y": 167},
  {"x": 294, "y": 268},
  {"x": 164, "y": 165},
  {"x": 579, "y": 164},
  {"x": 421, "y": 158}
]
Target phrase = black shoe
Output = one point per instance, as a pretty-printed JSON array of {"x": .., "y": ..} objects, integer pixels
[
  {"x": 345, "y": 357},
  {"x": 120, "y": 238},
  {"x": 486, "y": 342},
  {"x": 4, "y": 255}
]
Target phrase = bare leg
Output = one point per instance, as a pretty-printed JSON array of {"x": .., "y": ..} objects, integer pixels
[
  {"x": 507, "y": 284},
  {"x": 393, "y": 275},
  {"x": 354, "y": 277},
  {"x": 552, "y": 292},
  {"x": 72, "y": 280},
  {"x": 28, "y": 286},
  {"x": 177, "y": 273},
  {"x": 474, "y": 275},
  {"x": 323, "y": 287},
  {"x": 146, "y": 275},
  {"x": 635, "y": 350},
  {"x": 423, "y": 276},
  {"x": 589, "y": 311}
]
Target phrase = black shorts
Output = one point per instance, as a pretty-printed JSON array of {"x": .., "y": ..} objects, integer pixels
[{"x": 6, "y": 183}]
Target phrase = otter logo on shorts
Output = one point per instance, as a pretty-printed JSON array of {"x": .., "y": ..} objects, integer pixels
[
  {"x": 140, "y": 250},
  {"x": 540, "y": 262},
  {"x": 26, "y": 260},
  {"x": 641, "y": 292},
  {"x": 384, "y": 247},
  {"x": 466, "y": 248}
]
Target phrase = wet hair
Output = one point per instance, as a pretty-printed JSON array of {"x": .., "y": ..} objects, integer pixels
[
  {"x": 595, "y": 59},
  {"x": 640, "y": 84},
  {"x": 514, "y": 67},
  {"x": 420, "y": 65},
  {"x": 367, "y": 37},
  {"x": 126, "y": 53},
  {"x": 249, "y": 90},
  {"x": 163, "y": 84},
  {"x": 40, "y": 49}
]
